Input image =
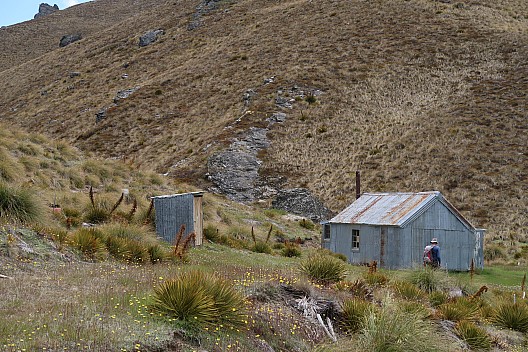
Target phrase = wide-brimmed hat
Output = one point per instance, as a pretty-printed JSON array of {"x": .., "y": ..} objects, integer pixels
[{"x": 434, "y": 240}]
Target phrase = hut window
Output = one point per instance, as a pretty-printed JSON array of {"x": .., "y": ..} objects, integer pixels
[
  {"x": 326, "y": 234},
  {"x": 355, "y": 240}
]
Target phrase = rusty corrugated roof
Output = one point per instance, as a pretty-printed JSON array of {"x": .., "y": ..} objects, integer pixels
[{"x": 385, "y": 208}]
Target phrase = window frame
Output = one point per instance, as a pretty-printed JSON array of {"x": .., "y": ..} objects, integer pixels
[
  {"x": 356, "y": 240},
  {"x": 326, "y": 231}
]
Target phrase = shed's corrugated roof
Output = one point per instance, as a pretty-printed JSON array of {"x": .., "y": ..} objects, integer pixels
[
  {"x": 392, "y": 209},
  {"x": 197, "y": 194}
]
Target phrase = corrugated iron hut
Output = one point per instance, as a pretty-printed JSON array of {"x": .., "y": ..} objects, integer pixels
[
  {"x": 175, "y": 210},
  {"x": 394, "y": 228}
]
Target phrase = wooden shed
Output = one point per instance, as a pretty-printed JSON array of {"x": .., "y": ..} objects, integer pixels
[
  {"x": 394, "y": 228},
  {"x": 175, "y": 210}
]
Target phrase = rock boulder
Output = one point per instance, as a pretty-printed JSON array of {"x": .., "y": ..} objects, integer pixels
[
  {"x": 301, "y": 201},
  {"x": 45, "y": 9},
  {"x": 68, "y": 39}
]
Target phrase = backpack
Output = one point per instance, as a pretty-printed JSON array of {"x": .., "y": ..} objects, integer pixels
[{"x": 428, "y": 254}]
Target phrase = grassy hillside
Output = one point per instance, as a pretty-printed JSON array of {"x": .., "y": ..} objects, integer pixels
[
  {"x": 256, "y": 284},
  {"x": 418, "y": 94}
]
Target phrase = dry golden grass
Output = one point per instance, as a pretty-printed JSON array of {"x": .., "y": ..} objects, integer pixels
[{"x": 417, "y": 94}]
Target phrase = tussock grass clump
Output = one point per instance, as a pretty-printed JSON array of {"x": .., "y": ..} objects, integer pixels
[
  {"x": 390, "y": 329},
  {"x": 96, "y": 215},
  {"x": 375, "y": 278},
  {"x": 9, "y": 169},
  {"x": 261, "y": 247},
  {"x": 426, "y": 279},
  {"x": 118, "y": 248},
  {"x": 89, "y": 242},
  {"x": 354, "y": 313},
  {"x": 18, "y": 204},
  {"x": 323, "y": 269},
  {"x": 129, "y": 232},
  {"x": 408, "y": 290},
  {"x": 274, "y": 213},
  {"x": 437, "y": 298},
  {"x": 138, "y": 252},
  {"x": 291, "y": 250},
  {"x": 157, "y": 254},
  {"x": 461, "y": 309},
  {"x": 232, "y": 242},
  {"x": 476, "y": 337},
  {"x": 307, "y": 224},
  {"x": 512, "y": 316},
  {"x": 211, "y": 233},
  {"x": 415, "y": 308},
  {"x": 197, "y": 299}
]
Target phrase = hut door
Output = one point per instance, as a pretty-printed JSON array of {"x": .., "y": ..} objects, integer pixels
[
  {"x": 383, "y": 241},
  {"x": 198, "y": 220}
]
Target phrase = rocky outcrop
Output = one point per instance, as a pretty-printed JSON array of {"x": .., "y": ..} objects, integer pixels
[
  {"x": 150, "y": 37},
  {"x": 234, "y": 171},
  {"x": 203, "y": 8},
  {"x": 301, "y": 201},
  {"x": 68, "y": 39},
  {"x": 45, "y": 9}
]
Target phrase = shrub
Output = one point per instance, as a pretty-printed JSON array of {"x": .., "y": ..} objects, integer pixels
[
  {"x": 232, "y": 242},
  {"x": 198, "y": 299},
  {"x": 89, "y": 243},
  {"x": 307, "y": 224},
  {"x": 278, "y": 245},
  {"x": 323, "y": 269},
  {"x": 311, "y": 99},
  {"x": 18, "y": 204},
  {"x": 274, "y": 213},
  {"x": 354, "y": 312},
  {"x": 493, "y": 252},
  {"x": 475, "y": 337},
  {"x": 261, "y": 247},
  {"x": 512, "y": 315},
  {"x": 408, "y": 290},
  {"x": 291, "y": 250},
  {"x": 461, "y": 309},
  {"x": 426, "y": 279},
  {"x": 211, "y": 233}
]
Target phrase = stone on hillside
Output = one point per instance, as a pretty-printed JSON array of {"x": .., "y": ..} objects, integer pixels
[
  {"x": 100, "y": 115},
  {"x": 68, "y": 39},
  {"x": 150, "y": 37},
  {"x": 300, "y": 201},
  {"x": 45, "y": 9},
  {"x": 277, "y": 117},
  {"x": 123, "y": 94}
]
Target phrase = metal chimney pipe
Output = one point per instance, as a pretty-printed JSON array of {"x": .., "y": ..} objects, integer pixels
[{"x": 358, "y": 184}]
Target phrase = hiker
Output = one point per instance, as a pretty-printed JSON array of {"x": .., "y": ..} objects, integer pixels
[
  {"x": 435, "y": 254},
  {"x": 427, "y": 255}
]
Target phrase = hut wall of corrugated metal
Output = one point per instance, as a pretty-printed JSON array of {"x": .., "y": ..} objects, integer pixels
[
  {"x": 396, "y": 247},
  {"x": 171, "y": 213},
  {"x": 457, "y": 242}
]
